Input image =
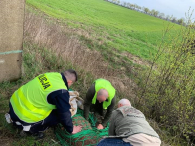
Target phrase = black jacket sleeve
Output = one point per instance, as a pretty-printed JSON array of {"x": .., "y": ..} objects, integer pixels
[
  {"x": 60, "y": 98},
  {"x": 109, "y": 112},
  {"x": 88, "y": 101}
]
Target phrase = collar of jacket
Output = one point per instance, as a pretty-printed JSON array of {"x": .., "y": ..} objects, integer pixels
[
  {"x": 65, "y": 81},
  {"x": 125, "y": 110}
]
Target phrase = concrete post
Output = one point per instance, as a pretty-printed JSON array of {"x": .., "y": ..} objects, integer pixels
[{"x": 11, "y": 37}]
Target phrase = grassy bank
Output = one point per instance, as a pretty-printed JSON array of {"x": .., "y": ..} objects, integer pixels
[
  {"x": 54, "y": 50},
  {"x": 47, "y": 47},
  {"x": 53, "y": 45}
]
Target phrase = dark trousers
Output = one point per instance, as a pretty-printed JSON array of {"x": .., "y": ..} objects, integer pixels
[
  {"x": 98, "y": 112},
  {"x": 98, "y": 108},
  {"x": 113, "y": 142},
  {"x": 50, "y": 121}
]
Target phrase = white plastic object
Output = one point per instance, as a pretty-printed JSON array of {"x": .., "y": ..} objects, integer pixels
[{"x": 8, "y": 118}]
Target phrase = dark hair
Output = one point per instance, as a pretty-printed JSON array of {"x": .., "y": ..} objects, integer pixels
[{"x": 70, "y": 73}]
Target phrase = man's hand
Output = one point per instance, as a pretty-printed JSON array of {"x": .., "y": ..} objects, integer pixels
[
  {"x": 100, "y": 126},
  {"x": 76, "y": 129}
]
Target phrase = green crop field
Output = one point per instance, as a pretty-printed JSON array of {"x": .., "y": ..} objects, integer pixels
[{"x": 118, "y": 27}]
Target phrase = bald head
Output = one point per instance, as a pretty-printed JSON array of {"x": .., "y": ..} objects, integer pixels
[
  {"x": 124, "y": 102},
  {"x": 102, "y": 95}
]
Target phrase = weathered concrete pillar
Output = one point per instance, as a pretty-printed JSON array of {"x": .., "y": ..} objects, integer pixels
[{"x": 11, "y": 37}]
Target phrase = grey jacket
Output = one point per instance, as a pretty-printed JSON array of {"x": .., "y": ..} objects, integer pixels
[{"x": 126, "y": 121}]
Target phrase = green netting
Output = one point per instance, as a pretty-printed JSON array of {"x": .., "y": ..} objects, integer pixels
[{"x": 89, "y": 136}]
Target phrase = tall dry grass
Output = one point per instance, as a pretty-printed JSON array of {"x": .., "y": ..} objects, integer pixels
[{"x": 64, "y": 43}]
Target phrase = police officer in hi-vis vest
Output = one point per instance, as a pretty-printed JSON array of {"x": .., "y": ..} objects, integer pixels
[
  {"x": 100, "y": 96},
  {"x": 43, "y": 102}
]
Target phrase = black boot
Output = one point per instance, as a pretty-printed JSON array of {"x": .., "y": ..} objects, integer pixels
[{"x": 39, "y": 135}]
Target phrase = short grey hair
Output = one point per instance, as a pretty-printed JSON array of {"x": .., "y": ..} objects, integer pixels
[
  {"x": 70, "y": 74},
  {"x": 124, "y": 102}
]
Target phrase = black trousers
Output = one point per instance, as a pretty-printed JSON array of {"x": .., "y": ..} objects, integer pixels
[
  {"x": 97, "y": 108},
  {"x": 50, "y": 121}
]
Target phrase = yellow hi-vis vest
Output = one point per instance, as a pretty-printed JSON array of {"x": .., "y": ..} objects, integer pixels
[
  {"x": 104, "y": 84},
  {"x": 30, "y": 103}
]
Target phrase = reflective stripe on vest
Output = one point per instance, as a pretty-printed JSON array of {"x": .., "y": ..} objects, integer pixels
[
  {"x": 30, "y": 101},
  {"x": 104, "y": 84}
]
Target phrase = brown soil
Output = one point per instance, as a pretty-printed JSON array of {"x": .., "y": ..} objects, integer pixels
[{"x": 135, "y": 59}]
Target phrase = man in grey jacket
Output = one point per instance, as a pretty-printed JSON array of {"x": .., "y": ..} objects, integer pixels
[{"x": 129, "y": 127}]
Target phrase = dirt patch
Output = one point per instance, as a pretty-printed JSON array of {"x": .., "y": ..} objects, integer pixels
[
  {"x": 135, "y": 59},
  {"x": 5, "y": 141}
]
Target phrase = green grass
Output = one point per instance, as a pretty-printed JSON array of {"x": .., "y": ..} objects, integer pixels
[{"x": 120, "y": 28}]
